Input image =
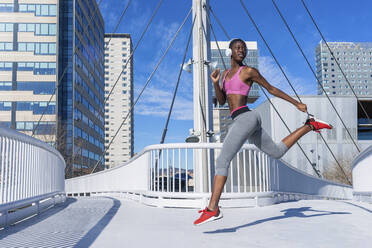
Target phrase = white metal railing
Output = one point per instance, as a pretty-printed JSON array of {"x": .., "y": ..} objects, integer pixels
[
  {"x": 31, "y": 172},
  {"x": 362, "y": 171},
  {"x": 174, "y": 169},
  {"x": 172, "y": 175}
]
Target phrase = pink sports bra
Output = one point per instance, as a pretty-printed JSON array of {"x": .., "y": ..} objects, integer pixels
[{"x": 235, "y": 85}]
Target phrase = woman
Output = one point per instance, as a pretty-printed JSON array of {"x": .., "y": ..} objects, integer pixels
[{"x": 234, "y": 88}]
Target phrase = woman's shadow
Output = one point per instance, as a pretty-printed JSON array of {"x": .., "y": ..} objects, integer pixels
[{"x": 288, "y": 213}]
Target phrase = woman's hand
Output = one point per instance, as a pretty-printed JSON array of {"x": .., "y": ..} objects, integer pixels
[
  {"x": 302, "y": 107},
  {"x": 215, "y": 76}
]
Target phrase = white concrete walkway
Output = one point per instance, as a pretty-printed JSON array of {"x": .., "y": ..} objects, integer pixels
[{"x": 109, "y": 222}]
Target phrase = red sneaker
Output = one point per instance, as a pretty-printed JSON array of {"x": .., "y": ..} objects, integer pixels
[
  {"x": 208, "y": 216},
  {"x": 316, "y": 124}
]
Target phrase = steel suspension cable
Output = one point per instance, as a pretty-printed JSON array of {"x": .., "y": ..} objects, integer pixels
[
  {"x": 71, "y": 59},
  {"x": 124, "y": 67},
  {"x": 272, "y": 104},
  {"x": 200, "y": 101},
  {"x": 312, "y": 70},
  {"x": 143, "y": 89},
  {"x": 247, "y": 12},
  {"x": 338, "y": 64},
  {"x": 120, "y": 19},
  {"x": 177, "y": 84},
  {"x": 131, "y": 55},
  {"x": 218, "y": 46},
  {"x": 218, "y": 21},
  {"x": 175, "y": 93},
  {"x": 308, "y": 63}
]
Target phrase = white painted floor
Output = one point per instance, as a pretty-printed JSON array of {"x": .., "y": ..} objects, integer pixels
[{"x": 114, "y": 222}]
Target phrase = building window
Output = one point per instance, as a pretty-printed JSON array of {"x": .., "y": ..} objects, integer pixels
[
  {"x": 37, "y": 47},
  {"x": 6, "y": 46},
  {"x": 38, "y": 28},
  {"x": 5, "y": 106},
  {"x": 6, "y": 7},
  {"x": 39, "y": 9}
]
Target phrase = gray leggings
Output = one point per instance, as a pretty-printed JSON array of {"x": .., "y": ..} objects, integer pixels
[{"x": 246, "y": 126}]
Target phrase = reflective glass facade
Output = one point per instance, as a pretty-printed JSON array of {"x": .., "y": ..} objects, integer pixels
[
  {"x": 28, "y": 67},
  {"x": 81, "y": 91}
]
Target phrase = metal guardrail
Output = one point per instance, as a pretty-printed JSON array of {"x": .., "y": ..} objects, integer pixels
[
  {"x": 362, "y": 196},
  {"x": 173, "y": 168},
  {"x": 171, "y": 175},
  {"x": 362, "y": 171},
  {"x": 31, "y": 174}
]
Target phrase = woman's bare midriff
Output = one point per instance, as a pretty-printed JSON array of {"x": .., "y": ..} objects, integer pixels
[{"x": 236, "y": 101}]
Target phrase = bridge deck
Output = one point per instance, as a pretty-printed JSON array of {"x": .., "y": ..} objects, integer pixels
[{"x": 114, "y": 222}]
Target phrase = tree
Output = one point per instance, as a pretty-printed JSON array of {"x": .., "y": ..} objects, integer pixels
[{"x": 336, "y": 173}]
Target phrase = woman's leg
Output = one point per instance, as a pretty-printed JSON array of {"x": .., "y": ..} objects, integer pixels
[
  {"x": 296, "y": 135},
  {"x": 242, "y": 128},
  {"x": 276, "y": 150}
]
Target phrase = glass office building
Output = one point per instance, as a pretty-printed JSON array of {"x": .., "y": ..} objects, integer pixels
[
  {"x": 37, "y": 42},
  {"x": 28, "y": 67},
  {"x": 81, "y": 89}
]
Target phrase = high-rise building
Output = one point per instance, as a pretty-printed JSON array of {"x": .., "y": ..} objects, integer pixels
[
  {"x": 37, "y": 41},
  {"x": 118, "y": 72},
  {"x": 221, "y": 114},
  {"x": 355, "y": 59},
  {"x": 28, "y": 67},
  {"x": 81, "y": 88}
]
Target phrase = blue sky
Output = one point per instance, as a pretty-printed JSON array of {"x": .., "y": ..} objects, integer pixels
[{"x": 339, "y": 20}]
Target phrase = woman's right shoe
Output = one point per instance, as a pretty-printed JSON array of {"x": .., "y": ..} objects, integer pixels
[
  {"x": 316, "y": 124},
  {"x": 207, "y": 216}
]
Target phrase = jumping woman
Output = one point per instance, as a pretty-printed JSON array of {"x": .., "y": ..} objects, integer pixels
[{"x": 234, "y": 88}]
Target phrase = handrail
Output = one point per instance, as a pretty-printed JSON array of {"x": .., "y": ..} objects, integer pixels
[
  {"x": 169, "y": 175},
  {"x": 11, "y": 133},
  {"x": 31, "y": 173},
  {"x": 361, "y": 172}
]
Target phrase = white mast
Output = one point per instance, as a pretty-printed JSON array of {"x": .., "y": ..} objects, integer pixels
[{"x": 202, "y": 90}]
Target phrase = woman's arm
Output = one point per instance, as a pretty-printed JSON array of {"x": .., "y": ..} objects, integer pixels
[
  {"x": 220, "y": 95},
  {"x": 254, "y": 75}
]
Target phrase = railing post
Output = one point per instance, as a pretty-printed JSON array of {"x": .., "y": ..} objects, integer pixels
[
  {"x": 38, "y": 207},
  {"x": 26, "y": 175},
  {"x": 6, "y": 213}
]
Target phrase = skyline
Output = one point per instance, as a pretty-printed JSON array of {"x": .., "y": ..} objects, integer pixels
[{"x": 153, "y": 106}]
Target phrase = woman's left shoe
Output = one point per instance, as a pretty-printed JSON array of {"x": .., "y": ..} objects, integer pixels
[{"x": 316, "y": 124}]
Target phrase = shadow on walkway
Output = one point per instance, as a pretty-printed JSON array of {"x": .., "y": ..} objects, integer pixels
[
  {"x": 52, "y": 229},
  {"x": 288, "y": 213},
  {"x": 93, "y": 233},
  {"x": 356, "y": 205},
  {"x": 14, "y": 228}
]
